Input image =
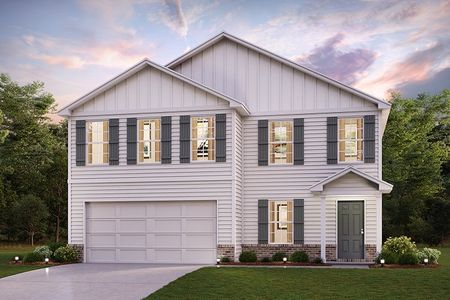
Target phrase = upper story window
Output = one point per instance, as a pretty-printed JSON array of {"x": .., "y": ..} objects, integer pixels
[
  {"x": 149, "y": 149},
  {"x": 350, "y": 139},
  {"x": 203, "y": 133},
  {"x": 280, "y": 142},
  {"x": 98, "y": 142},
  {"x": 280, "y": 222}
]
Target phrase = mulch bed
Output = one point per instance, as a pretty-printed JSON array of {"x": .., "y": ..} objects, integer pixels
[
  {"x": 279, "y": 264},
  {"x": 397, "y": 266}
]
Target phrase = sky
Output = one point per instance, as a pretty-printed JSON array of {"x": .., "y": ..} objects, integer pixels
[{"x": 375, "y": 46}]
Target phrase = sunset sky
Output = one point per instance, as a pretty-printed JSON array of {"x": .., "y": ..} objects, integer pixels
[{"x": 375, "y": 46}]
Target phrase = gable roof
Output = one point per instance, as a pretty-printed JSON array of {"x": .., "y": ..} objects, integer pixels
[
  {"x": 67, "y": 110},
  {"x": 223, "y": 35},
  {"x": 383, "y": 186}
]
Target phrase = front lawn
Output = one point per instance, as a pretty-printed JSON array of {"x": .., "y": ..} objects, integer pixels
[
  {"x": 290, "y": 283},
  {"x": 7, "y": 252}
]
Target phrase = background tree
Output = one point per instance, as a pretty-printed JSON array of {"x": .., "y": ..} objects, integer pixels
[
  {"x": 415, "y": 150},
  {"x": 31, "y": 214}
]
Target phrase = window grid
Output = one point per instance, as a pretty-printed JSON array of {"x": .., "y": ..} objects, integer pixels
[
  {"x": 203, "y": 138},
  {"x": 98, "y": 142},
  {"x": 280, "y": 222},
  {"x": 351, "y": 139},
  {"x": 149, "y": 139},
  {"x": 280, "y": 142}
]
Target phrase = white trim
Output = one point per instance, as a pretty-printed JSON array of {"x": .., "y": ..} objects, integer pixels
[
  {"x": 84, "y": 232},
  {"x": 380, "y": 103},
  {"x": 69, "y": 180},
  {"x": 233, "y": 183},
  {"x": 323, "y": 230},
  {"x": 68, "y": 109}
]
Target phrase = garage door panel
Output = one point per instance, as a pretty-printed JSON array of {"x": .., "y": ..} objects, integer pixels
[
  {"x": 151, "y": 232},
  {"x": 101, "y": 240},
  {"x": 133, "y": 240},
  {"x": 101, "y": 226},
  {"x": 200, "y": 225},
  {"x": 132, "y": 226}
]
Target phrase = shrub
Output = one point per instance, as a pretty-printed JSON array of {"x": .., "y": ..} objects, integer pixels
[
  {"x": 299, "y": 256},
  {"x": 265, "y": 259},
  {"x": 43, "y": 251},
  {"x": 278, "y": 256},
  {"x": 408, "y": 258},
  {"x": 399, "y": 245},
  {"x": 33, "y": 257},
  {"x": 431, "y": 254},
  {"x": 225, "y": 259},
  {"x": 318, "y": 260},
  {"x": 66, "y": 254},
  {"x": 388, "y": 256},
  {"x": 55, "y": 245},
  {"x": 247, "y": 256}
]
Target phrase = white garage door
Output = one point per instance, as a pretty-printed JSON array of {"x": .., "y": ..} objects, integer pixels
[{"x": 151, "y": 232}]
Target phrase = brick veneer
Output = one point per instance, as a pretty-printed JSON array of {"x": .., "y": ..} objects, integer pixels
[
  {"x": 226, "y": 250},
  {"x": 267, "y": 250},
  {"x": 330, "y": 252},
  {"x": 371, "y": 252},
  {"x": 80, "y": 251}
]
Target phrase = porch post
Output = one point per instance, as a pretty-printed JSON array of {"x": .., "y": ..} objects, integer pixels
[{"x": 323, "y": 239}]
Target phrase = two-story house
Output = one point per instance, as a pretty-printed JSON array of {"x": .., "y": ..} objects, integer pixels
[{"x": 227, "y": 148}]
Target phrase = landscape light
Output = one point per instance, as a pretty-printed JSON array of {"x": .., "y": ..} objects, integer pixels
[
  {"x": 218, "y": 261},
  {"x": 46, "y": 260},
  {"x": 425, "y": 260},
  {"x": 284, "y": 259},
  {"x": 16, "y": 258},
  {"x": 382, "y": 261}
]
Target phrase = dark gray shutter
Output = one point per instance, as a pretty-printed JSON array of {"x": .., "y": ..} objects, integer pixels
[
  {"x": 299, "y": 142},
  {"x": 263, "y": 142},
  {"x": 166, "y": 140},
  {"x": 114, "y": 141},
  {"x": 369, "y": 139},
  {"x": 185, "y": 139},
  {"x": 131, "y": 141},
  {"x": 221, "y": 137},
  {"x": 332, "y": 140},
  {"x": 263, "y": 221},
  {"x": 299, "y": 220},
  {"x": 80, "y": 141}
]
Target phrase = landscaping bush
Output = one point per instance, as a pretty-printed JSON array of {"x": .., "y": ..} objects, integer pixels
[
  {"x": 65, "y": 254},
  {"x": 408, "y": 258},
  {"x": 299, "y": 256},
  {"x": 431, "y": 254},
  {"x": 388, "y": 256},
  {"x": 43, "y": 251},
  {"x": 278, "y": 256},
  {"x": 318, "y": 260},
  {"x": 265, "y": 259},
  {"x": 33, "y": 257},
  {"x": 248, "y": 256},
  {"x": 55, "y": 245},
  {"x": 225, "y": 259},
  {"x": 399, "y": 245}
]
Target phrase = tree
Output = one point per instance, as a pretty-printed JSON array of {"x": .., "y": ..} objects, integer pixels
[
  {"x": 414, "y": 153},
  {"x": 31, "y": 214},
  {"x": 3, "y": 132}
]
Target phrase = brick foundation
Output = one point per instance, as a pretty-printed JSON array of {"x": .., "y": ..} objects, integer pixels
[
  {"x": 267, "y": 250},
  {"x": 330, "y": 252},
  {"x": 225, "y": 251},
  {"x": 80, "y": 251},
  {"x": 370, "y": 252}
]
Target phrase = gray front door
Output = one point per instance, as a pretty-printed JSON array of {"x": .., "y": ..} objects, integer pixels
[{"x": 351, "y": 229}]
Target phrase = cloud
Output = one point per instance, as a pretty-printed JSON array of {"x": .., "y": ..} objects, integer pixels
[
  {"x": 173, "y": 17},
  {"x": 433, "y": 85},
  {"x": 344, "y": 66},
  {"x": 70, "y": 62}
]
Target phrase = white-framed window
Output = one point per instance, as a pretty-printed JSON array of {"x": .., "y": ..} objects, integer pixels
[
  {"x": 97, "y": 142},
  {"x": 280, "y": 222},
  {"x": 202, "y": 138},
  {"x": 149, "y": 139},
  {"x": 351, "y": 139},
  {"x": 280, "y": 142}
]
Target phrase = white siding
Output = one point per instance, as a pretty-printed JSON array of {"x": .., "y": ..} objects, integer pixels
[
  {"x": 150, "y": 90},
  {"x": 152, "y": 182},
  {"x": 238, "y": 179},
  {"x": 292, "y": 181},
  {"x": 264, "y": 84}
]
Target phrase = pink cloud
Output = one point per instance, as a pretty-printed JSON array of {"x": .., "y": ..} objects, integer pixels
[{"x": 70, "y": 62}]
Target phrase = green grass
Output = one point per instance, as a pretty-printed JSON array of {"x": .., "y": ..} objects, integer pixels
[
  {"x": 7, "y": 253},
  {"x": 271, "y": 283}
]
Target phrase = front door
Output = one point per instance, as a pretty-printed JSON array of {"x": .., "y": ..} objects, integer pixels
[{"x": 351, "y": 229}]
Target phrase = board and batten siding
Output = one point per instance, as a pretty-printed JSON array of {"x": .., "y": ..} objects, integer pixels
[
  {"x": 285, "y": 182},
  {"x": 264, "y": 84},
  {"x": 151, "y": 182}
]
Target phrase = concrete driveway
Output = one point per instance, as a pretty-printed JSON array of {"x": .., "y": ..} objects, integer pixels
[{"x": 91, "y": 281}]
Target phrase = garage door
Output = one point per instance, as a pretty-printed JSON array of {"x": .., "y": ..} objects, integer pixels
[{"x": 151, "y": 232}]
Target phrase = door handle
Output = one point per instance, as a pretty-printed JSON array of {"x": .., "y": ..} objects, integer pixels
[{"x": 362, "y": 230}]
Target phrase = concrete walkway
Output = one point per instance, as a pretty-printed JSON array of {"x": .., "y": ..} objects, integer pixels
[{"x": 91, "y": 281}]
